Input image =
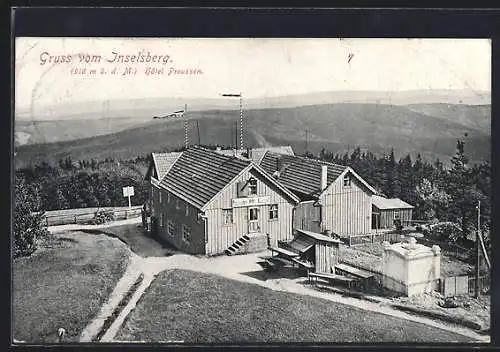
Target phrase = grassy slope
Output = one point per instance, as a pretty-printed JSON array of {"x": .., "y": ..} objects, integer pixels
[
  {"x": 139, "y": 243},
  {"x": 377, "y": 127},
  {"x": 65, "y": 286},
  {"x": 201, "y": 308}
]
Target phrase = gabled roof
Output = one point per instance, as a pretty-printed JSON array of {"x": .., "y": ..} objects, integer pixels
[
  {"x": 392, "y": 203},
  {"x": 199, "y": 174},
  {"x": 300, "y": 174},
  {"x": 258, "y": 153},
  {"x": 162, "y": 162}
]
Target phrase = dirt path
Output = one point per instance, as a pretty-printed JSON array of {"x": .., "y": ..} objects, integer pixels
[
  {"x": 245, "y": 268},
  {"x": 133, "y": 271}
]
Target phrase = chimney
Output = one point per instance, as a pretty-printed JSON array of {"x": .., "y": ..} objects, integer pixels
[
  {"x": 276, "y": 173},
  {"x": 218, "y": 149},
  {"x": 324, "y": 173},
  {"x": 249, "y": 153}
]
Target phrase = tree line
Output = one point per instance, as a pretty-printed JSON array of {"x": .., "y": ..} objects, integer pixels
[{"x": 437, "y": 192}]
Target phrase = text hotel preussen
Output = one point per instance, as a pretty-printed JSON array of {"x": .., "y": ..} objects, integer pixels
[{"x": 116, "y": 63}]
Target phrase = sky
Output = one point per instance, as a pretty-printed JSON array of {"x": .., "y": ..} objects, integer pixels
[{"x": 255, "y": 67}]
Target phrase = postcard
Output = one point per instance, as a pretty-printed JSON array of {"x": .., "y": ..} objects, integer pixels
[{"x": 251, "y": 190}]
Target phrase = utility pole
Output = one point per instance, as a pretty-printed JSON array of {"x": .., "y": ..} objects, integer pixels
[
  {"x": 198, "y": 129},
  {"x": 477, "y": 247},
  {"x": 306, "y": 142}
]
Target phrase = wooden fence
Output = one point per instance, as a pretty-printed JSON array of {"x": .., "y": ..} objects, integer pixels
[
  {"x": 86, "y": 216},
  {"x": 353, "y": 240},
  {"x": 484, "y": 284},
  {"x": 449, "y": 249}
]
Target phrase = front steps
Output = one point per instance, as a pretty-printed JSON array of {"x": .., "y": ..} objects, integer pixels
[{"x": 238, "y": 245}]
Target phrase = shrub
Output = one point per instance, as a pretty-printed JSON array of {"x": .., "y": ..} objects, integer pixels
[
  {"x": 102, "y": 217},
  {"x": 446, "y": 231},
  {"x": 28, "y": 222}
]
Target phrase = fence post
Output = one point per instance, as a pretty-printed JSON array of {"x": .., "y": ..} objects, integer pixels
[
  {"x": 47, "y": 221},
  {"x": 75, "y": 219}
]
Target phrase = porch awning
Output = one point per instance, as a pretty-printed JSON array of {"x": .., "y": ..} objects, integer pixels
[{"x": 302, "y": 244}]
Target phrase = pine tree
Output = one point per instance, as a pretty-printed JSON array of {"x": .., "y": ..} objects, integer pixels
[
  {"x": 460, "y": 186},
  {"x": 390, "y": 171}
]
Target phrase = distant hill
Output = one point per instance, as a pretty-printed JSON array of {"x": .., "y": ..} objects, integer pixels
[
  {"x": 337, "y": 127},
  {"x": 160, "y": 106},
  {"x": 35, "y": 132},
  {"x": 474, "y": 116}
]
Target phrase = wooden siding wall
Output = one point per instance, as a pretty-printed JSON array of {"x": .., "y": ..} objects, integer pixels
[
  {"x": 307, "y": 217},
  {"x": 387, "y": 217},
  {"x": 221, "y": 236},
  {"x": 326, "y": 256},
  {"x": 179, "y": 218},
  {"x": 347, "y": 210}
]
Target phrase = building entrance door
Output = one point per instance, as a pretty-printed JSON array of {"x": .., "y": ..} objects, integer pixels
[{"x": 253, "y": 220}]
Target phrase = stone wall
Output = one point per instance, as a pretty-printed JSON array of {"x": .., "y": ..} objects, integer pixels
[{"x": 257, "y": 243}]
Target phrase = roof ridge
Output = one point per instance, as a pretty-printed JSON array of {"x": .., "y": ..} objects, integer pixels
[
  {"x": 220, "y": 155},
  {"x": 313, "y": 160}
]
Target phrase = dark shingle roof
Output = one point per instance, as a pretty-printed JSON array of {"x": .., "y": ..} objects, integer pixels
[
  {"x": 299, "y": 174},
  {"x": 258, "y": 153},
  {"x": 199, "y": 174},
  {"x": 163, "y": 162}
]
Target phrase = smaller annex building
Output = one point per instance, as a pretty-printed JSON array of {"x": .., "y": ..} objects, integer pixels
[
  {"x": 204, "y": 202},
  {"x": 333, "y": 198},
  {"x": 386, "y": 212}
]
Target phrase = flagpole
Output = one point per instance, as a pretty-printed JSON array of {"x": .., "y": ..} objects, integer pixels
[{"x": 241, "y": 122}]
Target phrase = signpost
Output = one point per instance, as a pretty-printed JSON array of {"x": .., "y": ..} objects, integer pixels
[{"x": 128, "y": 192}]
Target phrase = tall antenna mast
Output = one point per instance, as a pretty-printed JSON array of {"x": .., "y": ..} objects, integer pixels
[
  {"x": 185, "y": 127},
  {"x": 240, "y": 95},
  {"x": 241, "y": 121},
  {"x": 236, "y": 134}
]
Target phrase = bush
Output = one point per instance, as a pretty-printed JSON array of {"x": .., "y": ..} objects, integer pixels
[
  {"x": 446, "y": 231},
  {"x": 28, "y": 222},
  {"x": 102, "y": 217}
]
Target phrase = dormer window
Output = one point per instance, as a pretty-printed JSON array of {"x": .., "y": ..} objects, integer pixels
[
  {"x": 347, "y": 181},
  {"x": 252, "y": 186}
]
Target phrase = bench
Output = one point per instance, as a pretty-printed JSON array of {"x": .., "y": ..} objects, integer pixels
[
  {"x": 303, "y": 264},
  {"x": 365, "y": 276},
  {"x": 279, "y": 261},
  {"x": 284, "y": 252},
  {"x": 269, "y": 265},
  {"x": 332, "y": 278},
  {"x": 359, "y": 273}
]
